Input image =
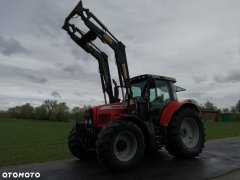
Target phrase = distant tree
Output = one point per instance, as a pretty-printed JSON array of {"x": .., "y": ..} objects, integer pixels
[
  {"x": 61, "y": 112},
  {"x": 237, "y": 106},
  {"x": 49, "y": 106},
  {"x": 41, "y": 113},
  {"x": 4, "y": 114},
  {"x": 219, "y": 110},
  {"x": 225, "y": 110},
  {"x": 27, "y": 111},
  {"x": 201, "y": 106},
  {"x": 210, "y": 106},
  {"x": 86, "y": 106},
  {"x": 77, "y": 113},
  {"x": 15, "y": 112},
  {"x": 52, "y": 110},
  {"x": 48, "y": 110},
  {"x": 233, "y": 109}
]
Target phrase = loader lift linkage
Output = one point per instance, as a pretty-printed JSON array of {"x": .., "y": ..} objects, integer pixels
[{"x": 85, "y": 41}]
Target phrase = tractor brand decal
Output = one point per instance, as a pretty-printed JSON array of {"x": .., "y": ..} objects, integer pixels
[{"x": 113, "y": 107}]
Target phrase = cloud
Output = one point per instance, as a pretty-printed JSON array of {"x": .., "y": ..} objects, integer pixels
[
  {"x": 76, "y": 71},
  {"x": 36, "y": 54},
  {"x": 10, "y": 46},
  {"x": 55, "y": 94},
  {"x": 78, "y": 94},
  {"x": 195, "y": 94},
  {"x": 199, "y": 79},
  {"x": 12, "y": 71},
  {"x": 35, "y": 79},
  {"x": 232, "y": 76}
]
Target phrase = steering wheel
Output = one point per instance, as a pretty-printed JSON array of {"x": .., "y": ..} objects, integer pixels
[{"x": 159, "y": 99}]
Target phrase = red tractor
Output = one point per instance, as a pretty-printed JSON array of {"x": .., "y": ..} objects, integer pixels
[{"x": 147, "y": 118}]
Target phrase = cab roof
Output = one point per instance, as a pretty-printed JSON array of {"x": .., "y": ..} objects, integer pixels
[{"x": 147, "y": 76}]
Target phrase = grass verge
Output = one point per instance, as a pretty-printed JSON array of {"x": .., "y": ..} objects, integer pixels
[
  {"x": 219, "y": 130},
  {"x": 30, "y": 141}
]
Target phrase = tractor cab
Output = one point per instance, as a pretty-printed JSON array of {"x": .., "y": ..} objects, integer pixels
[
  {"x": 152, "y": 94},
  {"x": 154, "y": 88}
]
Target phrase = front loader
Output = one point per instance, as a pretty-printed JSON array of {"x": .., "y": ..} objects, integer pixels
[{"x": 147, "y": 118}]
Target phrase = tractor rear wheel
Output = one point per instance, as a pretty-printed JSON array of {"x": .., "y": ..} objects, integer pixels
[
  {"x": 185, "y": 134},
  {"x": 81, "y": 142},
  {"x": 120, "y": 145}
]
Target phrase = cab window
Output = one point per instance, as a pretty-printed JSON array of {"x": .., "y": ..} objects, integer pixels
[
  {"x": 153, "y": 95},
  {"x": 162, "y": 91},
  {"x": 138, "y": 88}
]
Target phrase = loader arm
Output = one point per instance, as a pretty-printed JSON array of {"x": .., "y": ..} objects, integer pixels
[
  {"x": 102, "y": 61},
  {"x": 85, "y": 41}
]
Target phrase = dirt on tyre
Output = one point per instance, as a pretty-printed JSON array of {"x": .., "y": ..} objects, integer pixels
[
  {"x": 78, "y": 145},
  {"x": 185, "y": 134},
  {"x": 120, "y": 145}
]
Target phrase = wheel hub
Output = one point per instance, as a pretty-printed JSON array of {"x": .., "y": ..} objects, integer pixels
[
  {"x": 184, "y": 132},
  {"x": 125, "y": 146},
  {"x": 121, "y": 145},
  {"x": 189, "y": 133}
]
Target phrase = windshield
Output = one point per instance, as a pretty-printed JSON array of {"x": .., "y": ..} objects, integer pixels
[{"x": 138, "y": 88}]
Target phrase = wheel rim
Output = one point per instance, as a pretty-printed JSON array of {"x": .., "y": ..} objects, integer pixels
[
  {"x": 189, "y": 132},
  {"x": 125, "y": 146}
]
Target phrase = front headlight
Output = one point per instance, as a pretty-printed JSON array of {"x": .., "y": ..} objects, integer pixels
[
  {"x": 89, "y": 121},
  {"x": 87, "y": 117}
]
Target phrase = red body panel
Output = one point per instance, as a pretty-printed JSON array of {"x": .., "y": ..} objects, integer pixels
[
  {"x": 106, "y": 113},
  {"x": 169, "y": 111}
]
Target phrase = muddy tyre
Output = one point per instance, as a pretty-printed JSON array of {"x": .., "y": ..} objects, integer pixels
[
  {"x": 78, "y": 145},
  {"x": 185, "y": 134},
  {"x": 120, "y": 145}
]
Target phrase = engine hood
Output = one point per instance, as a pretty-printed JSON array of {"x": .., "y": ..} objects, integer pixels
[{"x": 104, "y": 114}]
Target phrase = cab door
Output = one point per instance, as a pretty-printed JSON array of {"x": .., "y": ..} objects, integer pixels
[{"x": 159, "y": 97}]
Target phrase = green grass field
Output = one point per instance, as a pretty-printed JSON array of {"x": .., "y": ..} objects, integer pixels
[
  {"x": 219, "y": 130},
  {"x": 28, "y": 141}
]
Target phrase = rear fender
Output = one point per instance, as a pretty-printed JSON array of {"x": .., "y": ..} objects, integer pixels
[{"x": 173, "y": 107}]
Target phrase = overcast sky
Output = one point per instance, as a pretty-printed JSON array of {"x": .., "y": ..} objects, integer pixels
[{"x": 197, "y": 42}]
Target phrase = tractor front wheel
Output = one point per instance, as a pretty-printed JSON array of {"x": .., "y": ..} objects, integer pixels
[
  {"x": 185, "y": 134},
  {"x": 81, "y": 142},
  {"x": 120, "y": 145}
]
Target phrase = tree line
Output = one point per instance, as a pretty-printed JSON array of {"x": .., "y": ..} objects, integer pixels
[
  {"x": 211, "y": 106},
  {"x": 55, "y": 111},
  {"x": 48, "y": 110}
]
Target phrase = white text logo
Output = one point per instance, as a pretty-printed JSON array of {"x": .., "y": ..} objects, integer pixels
[{"x": 18, "y": 175}]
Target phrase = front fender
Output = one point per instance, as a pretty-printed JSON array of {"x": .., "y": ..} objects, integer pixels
[{"x": 172, "y": 108}]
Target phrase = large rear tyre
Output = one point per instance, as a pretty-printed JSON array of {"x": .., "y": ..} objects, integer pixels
[
  {"x": 80, "y": 143},
  {"x": 120, "y": 145},
  {"x": 185, "y": 134}
]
